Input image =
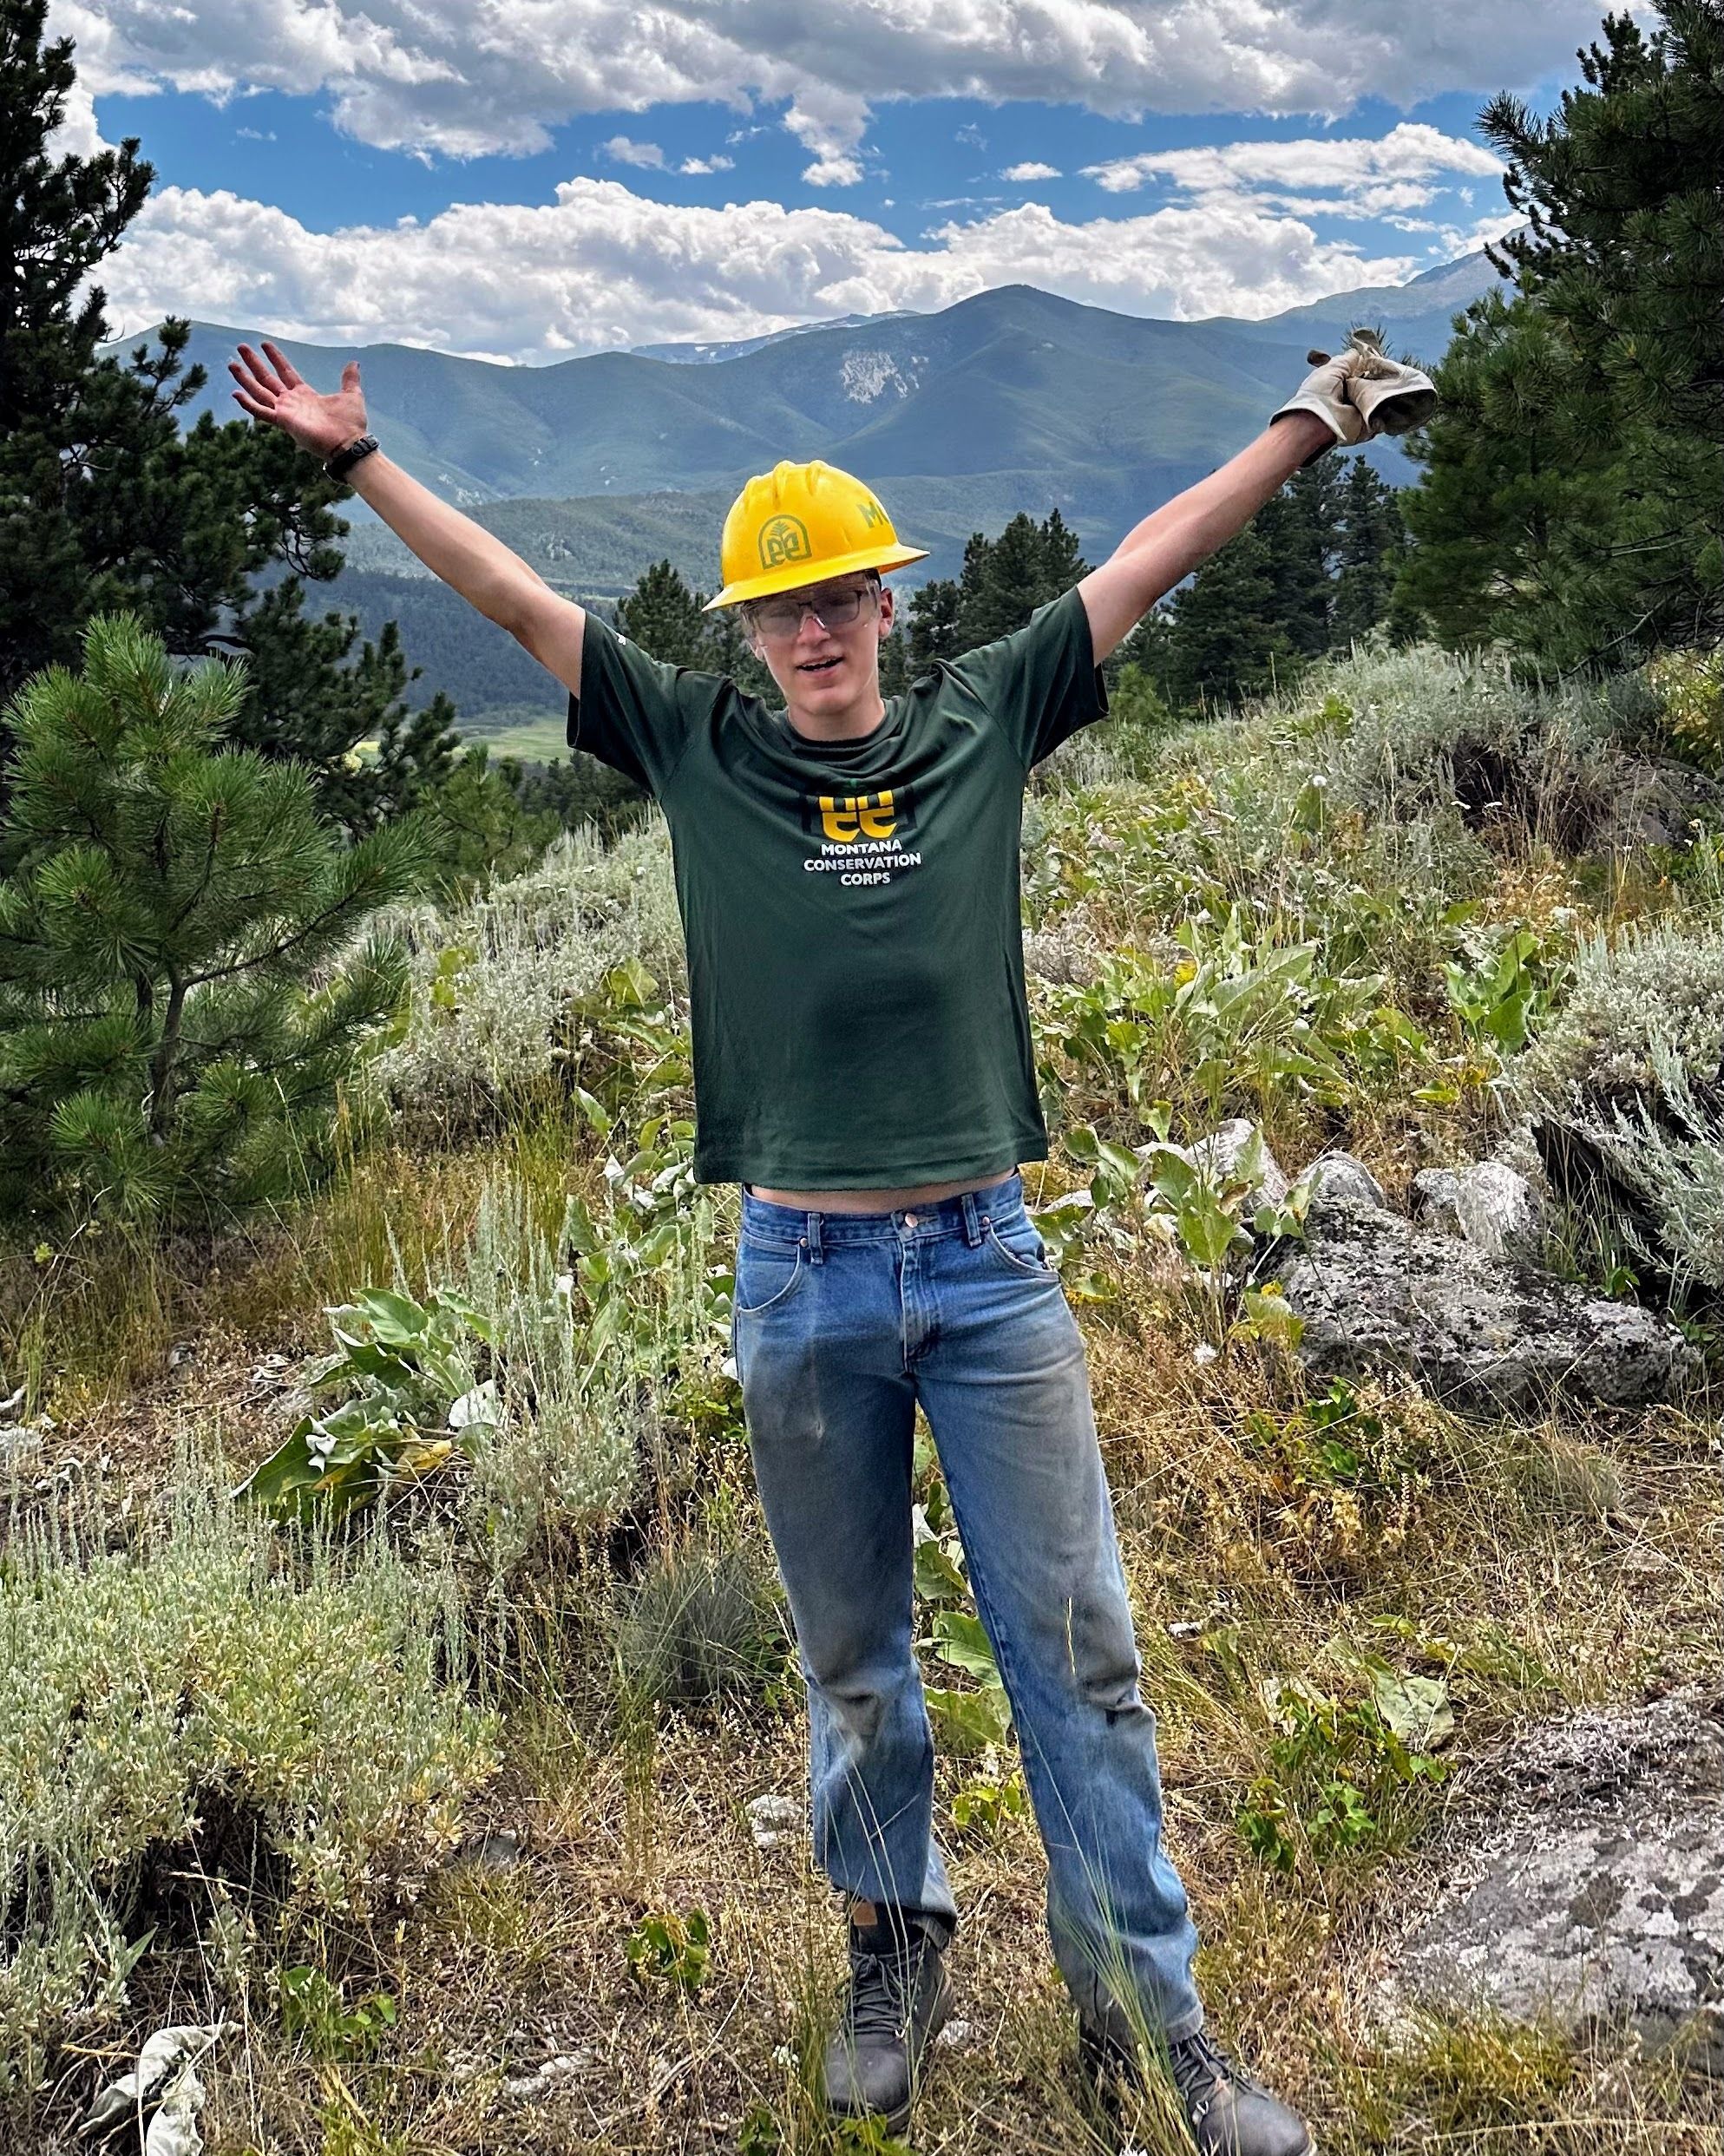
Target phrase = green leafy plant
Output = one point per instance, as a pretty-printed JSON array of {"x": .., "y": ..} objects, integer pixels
[
  {"x": 1338, "y": 1765},
  {"x": 1243, "y": 1017},
  {"x": 314, "y": 2009},
  {"x": 413, "y": 1400},
  {"x": 968, "y": 1720},
  {"x": 672, "y": 1951},
  {"x": 984, "y": 1805},
  {"x": 1500, "y": 1001}
]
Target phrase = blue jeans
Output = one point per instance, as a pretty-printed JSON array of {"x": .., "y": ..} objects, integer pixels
[{"x": 843, "y": 1321}]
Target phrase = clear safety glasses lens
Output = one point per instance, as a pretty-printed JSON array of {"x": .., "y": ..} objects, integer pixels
[{"x": 781, "y": 618}]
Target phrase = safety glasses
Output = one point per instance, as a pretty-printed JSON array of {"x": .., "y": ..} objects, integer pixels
[{"x": 838, "y": 607}]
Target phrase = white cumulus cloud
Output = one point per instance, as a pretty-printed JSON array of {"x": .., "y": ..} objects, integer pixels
[
  {"x": 445, "y": 77},
  {"x": 1408, "y": 153},
  {"x": 621, "y": 151},
  {"x": 601, "y": 265},
  {"x": 1031, "y": 171}
]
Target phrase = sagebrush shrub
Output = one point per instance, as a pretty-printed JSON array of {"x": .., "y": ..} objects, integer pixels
[
  {"x": 1406, "y": 733},
  {"x": 566, "y": 1450},
  {"x": 318, "y": 1695},
  {"x": 1657, "y": 986},
  {"x": 493, "y": 980},
  {"x": 1626, "y": 1083}
]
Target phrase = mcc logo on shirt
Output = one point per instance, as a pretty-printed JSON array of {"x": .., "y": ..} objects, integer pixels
[
  {"x": 847, "y": 819},
  {"x": 863, "y": 837}
]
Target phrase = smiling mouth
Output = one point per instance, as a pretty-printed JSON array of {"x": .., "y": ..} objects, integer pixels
[{"x": 818, "y": 666}]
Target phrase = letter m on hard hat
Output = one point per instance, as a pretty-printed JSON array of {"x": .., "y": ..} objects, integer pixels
[{"x": 799, "y": 524}]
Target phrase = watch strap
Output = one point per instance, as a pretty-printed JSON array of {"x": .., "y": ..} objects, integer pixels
[{"x": 342, "y": 462}]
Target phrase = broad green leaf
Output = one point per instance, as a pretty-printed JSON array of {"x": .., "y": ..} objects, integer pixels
[
  {"x": 960, "y": 1641},
  {"x": 967, "y": 1722},
  {"x": 1416, "y": 1708},
  {"x": 937, "y": 1578}
]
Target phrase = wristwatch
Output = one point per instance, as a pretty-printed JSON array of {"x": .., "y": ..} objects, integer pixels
[{"x": 342, "y": 462}]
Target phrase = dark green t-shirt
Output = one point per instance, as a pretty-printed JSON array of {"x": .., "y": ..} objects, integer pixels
[{"x": 854, "y": 947}]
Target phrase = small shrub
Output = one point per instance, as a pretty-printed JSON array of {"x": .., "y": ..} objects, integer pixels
[
  {"x": 699, "y": 1624},
  {"x": 1625, "y": 1085},
  {"x": 493, "y": 982},
  {"x": 147, "y": 1695},
  {"x": 1691, "y": 684}
]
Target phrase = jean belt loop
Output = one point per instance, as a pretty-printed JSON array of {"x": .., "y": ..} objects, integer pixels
[
  {"x": 814, "y": 1250},
  {"x": 972, "y": 1222}
]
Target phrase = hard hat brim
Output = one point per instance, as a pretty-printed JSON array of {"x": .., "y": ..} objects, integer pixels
[{"x": 791, "y": 576}]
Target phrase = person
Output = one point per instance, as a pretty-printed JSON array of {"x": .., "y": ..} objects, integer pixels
[{"x": 847, "y": 872}]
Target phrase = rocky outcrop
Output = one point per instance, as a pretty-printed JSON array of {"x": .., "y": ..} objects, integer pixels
[
  {"x": 1482, "y": 1336},
  {"x": 1500, "y": 1213},
  {"x": 1340, "y": 1175},
  {"x": 1593, "y": 1891}
]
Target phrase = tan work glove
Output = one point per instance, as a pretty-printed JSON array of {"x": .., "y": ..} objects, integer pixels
[
  {"x": 1324, "y": 392},
  {"x": 1362, "y": 392},
  {"x": 1391, "y": 398}
]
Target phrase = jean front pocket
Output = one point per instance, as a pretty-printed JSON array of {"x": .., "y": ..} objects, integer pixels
[
  {"x": 768, "y": 1274},
  {"x": 1016, "y": 1244}
]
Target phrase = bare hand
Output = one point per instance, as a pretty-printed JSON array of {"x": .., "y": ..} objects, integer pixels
[{"x": 275, "y": 392}]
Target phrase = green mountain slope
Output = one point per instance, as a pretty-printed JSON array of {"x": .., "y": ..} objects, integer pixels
[{"x": 1015, "y": 399}]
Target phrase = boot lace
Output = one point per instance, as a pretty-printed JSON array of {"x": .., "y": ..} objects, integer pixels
[
  {"x": 1199, "y": 2069},
  {"x": 882, "y": 1982}
]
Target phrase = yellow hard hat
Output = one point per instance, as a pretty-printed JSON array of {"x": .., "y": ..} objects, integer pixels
[{"x": 799, "y": 523}]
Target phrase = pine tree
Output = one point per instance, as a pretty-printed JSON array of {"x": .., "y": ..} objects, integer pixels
[
  {"x": 183, "y": 986},
  {"x": 669, "y": 621},
  {"x": 105, "y": 505},
  {"x": 1005, "y": 579},
  {"x": 932, "y": 629},
  {"x": 664, "y": 617},
  {"x": 1224, "y": 642},
  {"x": 481, "y": 825},
  {"x": 1370, "y": 550},
  {"x": 1299, "y": 530},
  {"x": 1573, "y": 500}
]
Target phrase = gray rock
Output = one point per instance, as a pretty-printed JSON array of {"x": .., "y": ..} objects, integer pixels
[
  {"x": 773, "y": 1820},
  {"x": 1220, "y": 1154},
  {"x": 1596, "y": 1892},
  {"x": 1062, "y": 953},
  {"x": 1338, "y": 1174},
  {"x": 1377, "y": 1293},
  {"x": 1436, "y": 1198},
  {"x": 490, "y": 1853},
  {"x": 1500, "y": 1213}
]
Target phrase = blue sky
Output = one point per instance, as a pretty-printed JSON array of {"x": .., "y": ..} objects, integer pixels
[{"x": 557, "y": 179}]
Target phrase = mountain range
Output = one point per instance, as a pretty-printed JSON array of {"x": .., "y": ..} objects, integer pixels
[{"x": 591, "y": 468}]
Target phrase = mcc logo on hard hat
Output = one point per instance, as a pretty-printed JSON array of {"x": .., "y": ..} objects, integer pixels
[{"x": 799, "y": 523}]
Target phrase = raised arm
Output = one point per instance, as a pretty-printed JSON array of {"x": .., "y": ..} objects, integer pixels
[
  {"x": 467, "y": 558},
  {"x": 1361, "y": 392},
  {"x": 1174, "y": 538}
]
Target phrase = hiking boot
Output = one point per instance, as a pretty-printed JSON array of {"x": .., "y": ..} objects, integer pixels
[
  {"x": 1229, "y": 2113},
  {"x": 895, "y": 2003}
]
